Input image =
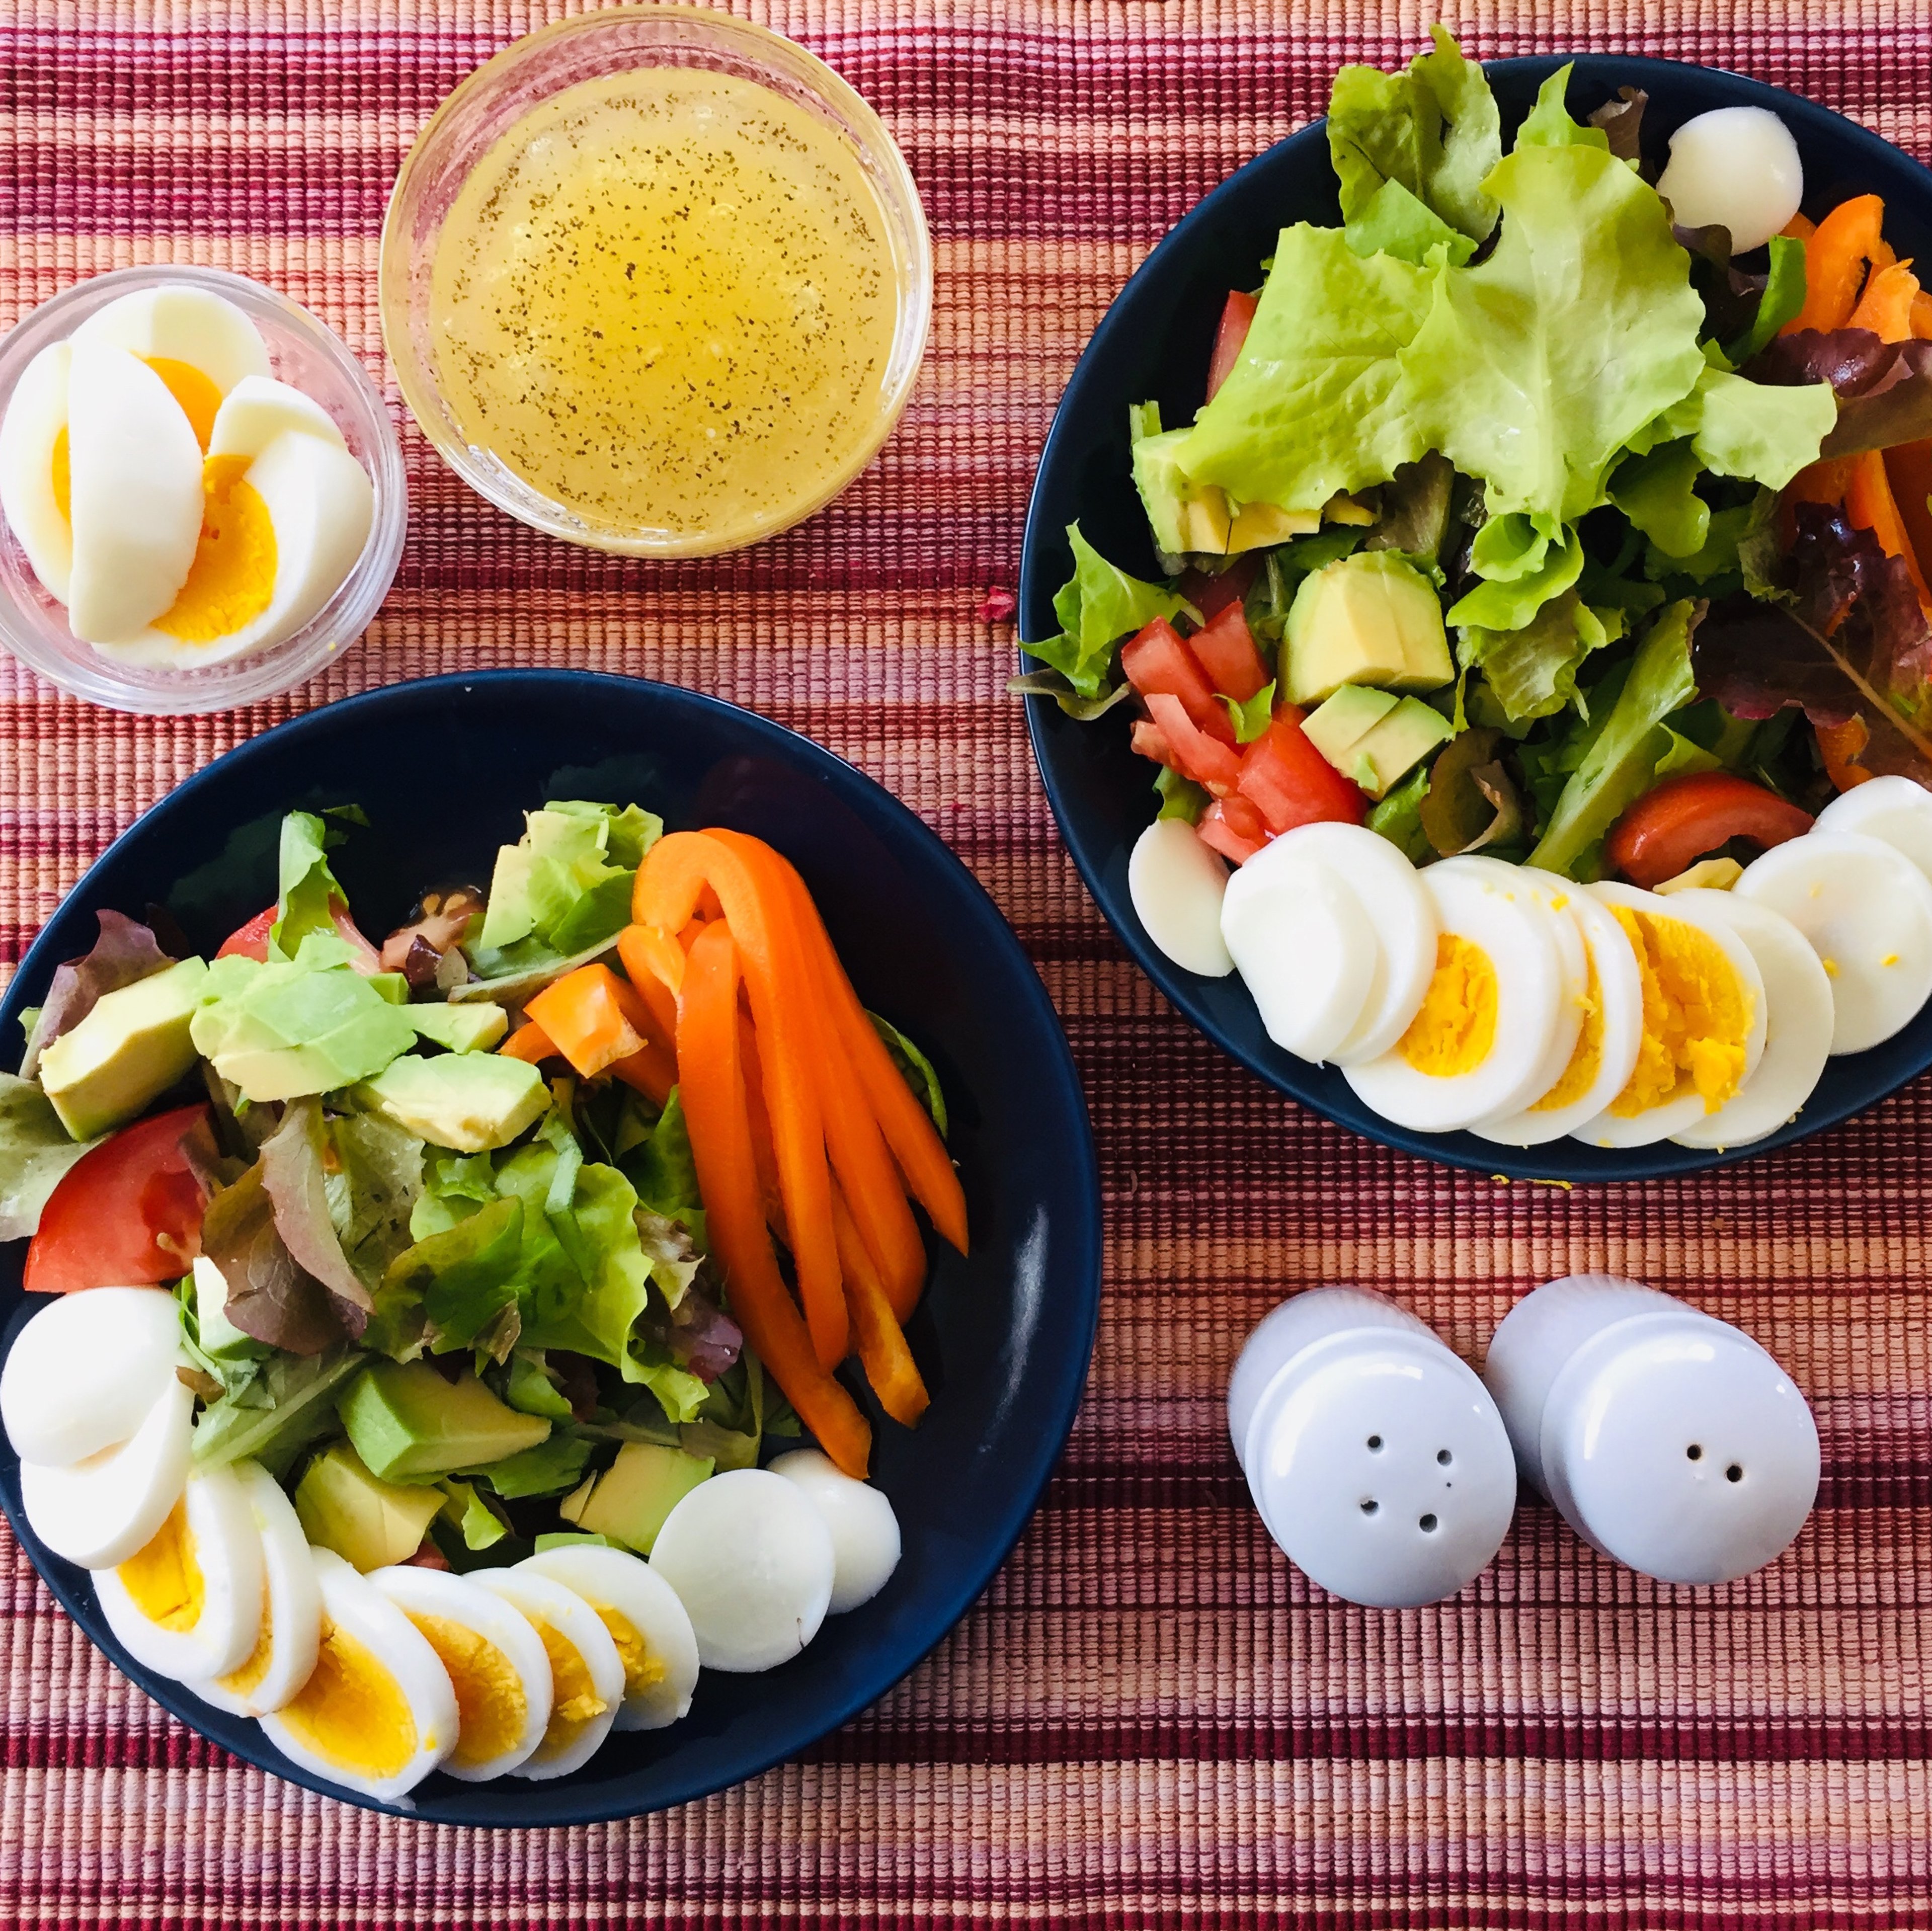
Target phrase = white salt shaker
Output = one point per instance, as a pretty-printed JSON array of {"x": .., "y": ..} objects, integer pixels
[
  {"x": 1667, "y": 1439},
  {"x": 1376, "y": 1457}
]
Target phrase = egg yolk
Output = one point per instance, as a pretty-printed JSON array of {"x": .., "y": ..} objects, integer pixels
[
  {"x": 164, "y": 1578},
  {"x": 231, "y": 580},
  {"x": 1580, "y": 1074},
  {"x": 1696, "y": 1016},
  {"x": 1456, "y": 1026},
  {"x": 574, "y": 1699},
  {"x": 491, "y": 1707},
  {"x": 642, "y": 1670},
  {"x": 241, "y": 1682},
  {"x": 200, "y": 399},
  {"x": 352, "y": 1711}
]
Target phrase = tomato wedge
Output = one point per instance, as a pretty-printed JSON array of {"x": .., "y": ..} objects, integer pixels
[
  {"x": 127, "y": 1214},
  {"x": 1227, "y": 653},
  {"x": 1158, "y": 663},
  {"x": 1290, "y": 783},
  {"x": 1205, "y": 760},
  {"x": 249, "y": 941},
  {"x": 1233, "y": 827},
  {"x": 1670, "y": 829},
  {"x": 1237, "y": 316}
]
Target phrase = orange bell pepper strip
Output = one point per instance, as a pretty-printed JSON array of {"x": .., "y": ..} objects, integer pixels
[
  {"x": 583, "y": 1012},
  {"x": 676, "y": 872},
  {"x": 1840, "y": 746},
  {"x": 531, "y": 1042},
  {"x": 1908, "y": 468},
  {"x": 1800, "y": 228},
  {"x": 654, "y": 961},
  {"x": 1837, "y": 254},
  {"x": 1922, "y": 314},
  {"x": 719, "y": 1122},
  {"x": 1885, "y": 307},
  {"x": 651, "y": 1070},
  {"x": 766, "y": 1160},
  {"x": 883, "y": 1352},
  {"x": 1870, "y": 505}
]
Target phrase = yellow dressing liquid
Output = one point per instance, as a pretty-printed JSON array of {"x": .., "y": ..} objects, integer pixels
[{"x": 666, "y": 299}]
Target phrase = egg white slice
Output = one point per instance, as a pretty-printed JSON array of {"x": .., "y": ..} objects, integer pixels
[
  {"x": 1867, "y": 910},
  {"x": 1798, "y": 1017},
  {"x": 98, "y": 1511},
  {"x": 135, "y": 472},
  {"x": 258, "y": 409},
  {"x": 1890, "y": 809},
  {"x": 1177, "y": 885},
  {"x": 30, "y": 496},
  {"x": 1738, "y": 167},
  {"x": 86, "y": 1371},
  {"x": 1686, "y": 1106},
  {"x": 586, "y": 1672},
  {"x": 290, "y": 1635},
  {"x": 1304, "y": 945},
  {"x": 1513, "y": 936},
  {"x": 316, "y": 504},
  {"x": 866, "y": 1544},
  {"x": 497, "y": 1663},
  {"x": 752, "y": 1562},
  {"x": 177, "y": 323},
  {"x": 377, "y": 1713},
  {"x": 646, "y": 1620},
  {"x": 1605, "y": 1055},
  {"x": 188, "y": 1604}
]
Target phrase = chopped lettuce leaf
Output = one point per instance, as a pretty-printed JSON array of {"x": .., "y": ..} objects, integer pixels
[
  {"x": 1251, "y": 720},
  {"x": 293, "y": 1177},
  {"x": 1531, "y": 671},
  {"x": 530, "y": 1389},
  {"x": 915, "y": 1068},
  {"x": 1658, "y": 493},
  {"x": 1548, "y": 123},
  {"x": 465, "y": 1511},
  {"x": 552, "y": 1468},
  {"x": 1179, "y": 797},
  {"x": 564, "y": 884},
  {"x": 1510, "y": 604},
  {"x": 1392, "y": 221},
  {"x": 309, "y": 893},
  {"x": 1098, "y": 606},
  {"x": 665, "y": 1172},
  {"x": 1757, "y": 430},
  {"x": 35, "y": 1153},
  {"x": 1398, "y": 817},
  {"x": 1782, "y": 297},
  {"x": 272, "y": 1297},
  {"x": 272, "y": 1418},
  {"x": 462, "y": 1278},
  {"x": 377, "y": 1175}
]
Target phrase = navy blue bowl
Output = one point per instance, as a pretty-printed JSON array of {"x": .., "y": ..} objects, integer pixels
[
  {"x": 1154, "y": 342},
  {"x": 444, "y": 770}
]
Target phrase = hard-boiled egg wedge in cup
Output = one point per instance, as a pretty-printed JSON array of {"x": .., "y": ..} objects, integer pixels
[{"x": 185, "y": 506}]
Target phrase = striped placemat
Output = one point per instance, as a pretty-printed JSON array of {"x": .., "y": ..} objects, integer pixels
[{"x": 1151, "y": 1719}]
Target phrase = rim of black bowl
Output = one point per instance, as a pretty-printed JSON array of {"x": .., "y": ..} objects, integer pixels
[
  {"x": 1849, "y": 1086},
  {"x": 522, "y": 1803}
]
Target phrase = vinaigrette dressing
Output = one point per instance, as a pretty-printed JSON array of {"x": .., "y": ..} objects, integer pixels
[{"x": 666, "y": 299}]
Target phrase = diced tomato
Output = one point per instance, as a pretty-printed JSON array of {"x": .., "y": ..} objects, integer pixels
[
  {"x": 1227, "y": 654},
  {"x": 1233, "y": 827},
  {"x": 1148, "y": 743},
  {"x": 1238, "y": 316},
  {"x": 1205, "y": 760},
  {"x": 1210, "y": 594},
  {"x": 1158, "y": 662},
  {"x": 1669, "y": 830},
  {"x": 1292, "y": 784},
  {"x": 249, "y": 941},
  {"x": 127, "y": 1214}
]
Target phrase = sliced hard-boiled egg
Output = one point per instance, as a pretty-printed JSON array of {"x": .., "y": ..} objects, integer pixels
[
  {"x": 1737, "y": 168},
  {"x": 135, "y": 494},
  {"x": 646, "y": 1622},
  {"x": 1893, "y": 809},
  {"x": 1797, "y": 1022},
  {"x": 86, "y": 1371},
  {"x": 496, "y": 1661},
  {"x": 181, "y": 328},
  {"x": 751, "y": 1560},
  {"x": 1703, "y": 1017},
  {"x": 1867, "y": 910},
  {"x": 586, "y": 1672},
  {"x": 188, "y": 1602},
  {"x": 258, "y": 409},
  {"x": 290, "y": 1636},
  {"x": 34, "y": 482},
  {"x": 1501, "y": 1014},
  {"x": 283, "y": 530},
  {"x": 377, "y": 1713},
  {"x": 865, "y": 1531},
  {"x": 1305, "y": 946},
  {"x": 1176, "y": 884},
  {"x": 1605, "y": 1055},
  {"x": 98, "y": 1511}
]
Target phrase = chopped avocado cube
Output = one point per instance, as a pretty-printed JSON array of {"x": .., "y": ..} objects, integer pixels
[
  {"x": 472, "y": 1518},
  {"x": 469, "y": 1101},
  {"x": 369, "y": 1523},
  {"x": 569, "y": 1539},
  {"x": 1341, "y": 721},
  {"x": 220, "y": 1339},
  {"x": 1261, "y": 526},
  {"x": 1382, "y": 757},
  {"x": 473, "y": 1028},
  {"x": 1372, "y": 618},
  {"x": 1185, "y": 516},
  {"x": 392, "y": 985},
  {"x": 405, "y": 1419},
  {"x": 548, "y": 1469},
  {"x": 128, "y": 1050},
  {"x": 629, "y": 1501}
]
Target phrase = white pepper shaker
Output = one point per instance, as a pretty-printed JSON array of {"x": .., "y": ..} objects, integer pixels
[
  {"x": 1376, "y": 1457},
  {"x": 1668, "y": 1440}
]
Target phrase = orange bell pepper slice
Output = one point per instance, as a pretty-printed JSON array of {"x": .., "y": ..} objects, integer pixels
[
  {"x": 675, "y": 873},
  {"x": 1837, "y": 254},
  {"x": 1870, "y": 505},
  {"x": 1839, "y": 745},
  {"x": 1908, "y": 468},
  {"x": 654, "y": 961},
  {"x": 531, "y": 1042},
  {"x": 1885, "y": 307},
  {"x": 716, "y": 1114},
  {"x": 883, "y": 1352}
]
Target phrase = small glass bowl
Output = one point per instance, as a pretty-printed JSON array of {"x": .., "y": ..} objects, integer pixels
[
  {"x": 622, "y": 40},
  {"x": 302, "y": 352}
]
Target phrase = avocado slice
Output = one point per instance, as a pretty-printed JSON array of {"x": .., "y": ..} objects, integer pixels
[
  {"x": 1185, "y": 516},
  {"x": 1391, "y": 750},
  {"x": 405, "y": 1419},
  {"x": 1339, "y": 722},
  {"x": 469, "y": 1102},
  {"x": 1372, "y": 618},
  {"x": 128, "y": 1050},
  {"x": 369, "y": 1523},
  {"x": 629, "y": 1501},
  {"x": 474, "y": 1028}
]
